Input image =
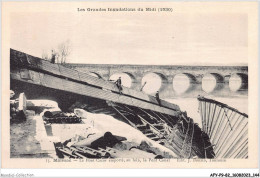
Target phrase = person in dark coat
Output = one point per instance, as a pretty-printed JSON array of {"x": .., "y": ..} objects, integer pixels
[
  {"x": 158, "y": 98},
  {"x": 53, "y": 57},
  {"x": 119, "y": 85}
]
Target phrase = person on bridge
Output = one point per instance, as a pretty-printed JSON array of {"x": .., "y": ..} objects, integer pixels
[
  {"x": 53, "y": 57},
  {"x": 158, "y": 98},
  {"x": 119, "y": 85}
]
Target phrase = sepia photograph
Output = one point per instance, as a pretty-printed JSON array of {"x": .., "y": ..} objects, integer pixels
[{"x": 134, "y": 83}]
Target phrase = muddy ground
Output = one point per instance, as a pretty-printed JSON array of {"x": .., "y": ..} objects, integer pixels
[{"x": 23, "y": 142}]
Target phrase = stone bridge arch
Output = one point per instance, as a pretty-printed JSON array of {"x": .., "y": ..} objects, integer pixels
[
  {"x": 128, "y": 79},
  {"x": 195, "y": 74},
  {"x": 238, "y": 82},
  {"x": 152, "y": 81},
  {"x": 184, "y": 83},
  {"x": 212, "y": 82}
]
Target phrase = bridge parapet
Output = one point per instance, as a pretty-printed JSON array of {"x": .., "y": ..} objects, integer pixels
[
  {"x": 175, "y": 81},
  {"x": 199, "y": 77}
]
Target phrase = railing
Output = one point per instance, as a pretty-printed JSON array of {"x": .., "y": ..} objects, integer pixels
[{"x": 226, "y": 127}]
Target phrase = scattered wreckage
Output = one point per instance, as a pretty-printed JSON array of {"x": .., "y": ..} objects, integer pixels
[{"x": 161, "y": 122}]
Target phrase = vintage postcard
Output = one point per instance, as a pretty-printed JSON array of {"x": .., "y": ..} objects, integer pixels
[{"x": 129, "y": 85}]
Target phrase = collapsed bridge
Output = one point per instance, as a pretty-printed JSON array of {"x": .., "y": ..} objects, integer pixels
[
  {"x": 39, "y": 78},
  {"x": 160, "y": 121}
]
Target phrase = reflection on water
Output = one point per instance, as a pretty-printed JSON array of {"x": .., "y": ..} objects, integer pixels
[
  {"x": 126, "y": 79},
  {"x": 181, "y": 83},
  {"x": 209, "y": 83},
  {"x": 153, "y": 83}
]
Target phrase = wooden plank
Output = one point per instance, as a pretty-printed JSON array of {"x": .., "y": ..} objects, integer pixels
[
  {"x": 125, "y": 99},
  {"x": 169, "y": 112},
  {"x": 49, "y": 67},
  {"x": 72, "y": 86},
  {"x": 142, "y": 104},
  {"x": 69, "y": 73},
  {"x": 156, "y": 108},
  {"x": 52, "y": 82},
  {"x": 125, "y": 90},
  {"x": 81, "y": 89},
  {"x": 152, "y": 99},
  {"x": 138, "y": 94},
  {"x": 89, "y": 91},
  {"x": 97, "y": 82},
  {"x": 109, "y": 96},
  {"x": 170, "y": 105}
]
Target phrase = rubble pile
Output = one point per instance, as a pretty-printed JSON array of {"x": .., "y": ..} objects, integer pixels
[
  {"x": 100, "y": 133},
  {"x": 107, "y": 146},
  {"x": 60, "y": 118}
]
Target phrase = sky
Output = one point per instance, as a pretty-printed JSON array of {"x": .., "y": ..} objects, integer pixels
[{"x": 135, "y": 38}]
